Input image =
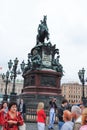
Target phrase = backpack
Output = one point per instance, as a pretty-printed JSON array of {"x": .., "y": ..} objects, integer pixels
[
  {"x": 84, "y": 127},
  {"x": 77, "y": 126}
]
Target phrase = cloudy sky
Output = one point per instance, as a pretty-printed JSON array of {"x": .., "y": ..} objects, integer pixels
[{"x": 67, "y": 23}]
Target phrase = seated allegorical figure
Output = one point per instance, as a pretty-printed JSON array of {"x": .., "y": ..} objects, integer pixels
[{"x": 36, "y": 59}]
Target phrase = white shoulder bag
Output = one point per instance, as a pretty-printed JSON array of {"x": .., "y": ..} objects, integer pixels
[{"x": 22, "y": 127}]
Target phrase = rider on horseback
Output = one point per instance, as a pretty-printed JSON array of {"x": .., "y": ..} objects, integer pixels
[{"x": 42, "y": 31}]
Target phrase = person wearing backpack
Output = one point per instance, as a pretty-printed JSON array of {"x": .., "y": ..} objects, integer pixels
[
  {"x": 61, "y": 109},
  {"x": 84, "y": 120}
]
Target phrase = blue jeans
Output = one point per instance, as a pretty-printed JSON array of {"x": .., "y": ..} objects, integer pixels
[
  {"x": 41, "y": 126},
  {"x": 60, "y": 124},
  {"x": 51, "y": 119}
]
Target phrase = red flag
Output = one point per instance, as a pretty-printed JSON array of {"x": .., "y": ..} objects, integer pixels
[{"x": 0, "y": 68}]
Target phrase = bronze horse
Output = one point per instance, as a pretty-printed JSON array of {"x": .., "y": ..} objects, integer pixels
[{"x": 42, "y": 31}]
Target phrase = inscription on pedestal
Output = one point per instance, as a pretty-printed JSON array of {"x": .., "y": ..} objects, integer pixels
[
  {"x": 48, "y": 81},
  {"x": 46, "y": 58},
  {"x": 29, "y": 81}
]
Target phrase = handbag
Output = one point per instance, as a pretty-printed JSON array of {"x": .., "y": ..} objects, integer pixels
[
  {"x": 1, "y": 127},
  {"x": 22, "y": 127}
]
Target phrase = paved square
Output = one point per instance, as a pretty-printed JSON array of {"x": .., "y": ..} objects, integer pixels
[{"x": 33, "y": 126}]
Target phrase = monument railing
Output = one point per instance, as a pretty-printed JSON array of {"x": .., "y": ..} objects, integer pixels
[{"x": 31, "y": 116}]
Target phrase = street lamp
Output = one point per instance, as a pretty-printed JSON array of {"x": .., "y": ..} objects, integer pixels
[
  {"x": 6, "y": 80},
  {"x": 22, "y": 66},
  {"x": 81, "y": 74},
  {"x": 13, "y": 70}
]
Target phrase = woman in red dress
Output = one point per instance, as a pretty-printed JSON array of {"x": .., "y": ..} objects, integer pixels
[{"x": 13, "y": 118}]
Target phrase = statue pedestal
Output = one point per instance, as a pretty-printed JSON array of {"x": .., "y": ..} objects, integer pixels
[
  {"x": 42, "y": 82},
  {"x": 41, "y": 85}
]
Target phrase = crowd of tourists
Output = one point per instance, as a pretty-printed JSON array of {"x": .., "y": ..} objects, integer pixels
[{"x": 69, "y": 118}]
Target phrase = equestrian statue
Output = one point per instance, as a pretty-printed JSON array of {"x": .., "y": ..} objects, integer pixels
[{"x": 42, "y": 31}]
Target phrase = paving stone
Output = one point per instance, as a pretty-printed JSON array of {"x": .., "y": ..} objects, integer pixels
[{"x": 33, "y": 126}]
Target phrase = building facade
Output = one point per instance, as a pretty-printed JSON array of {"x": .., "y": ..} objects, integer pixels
[
  {"x": 73, "y": 92},
  {"x": 18, "y": 88}
]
